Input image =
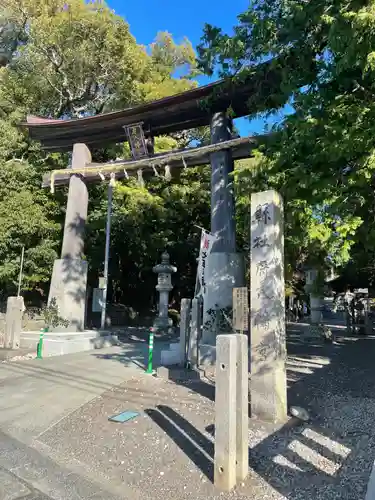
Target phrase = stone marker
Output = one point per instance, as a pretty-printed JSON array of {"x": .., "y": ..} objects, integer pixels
[
  {"x": 240, "y": 309},
  {"x": 225, "y": 413},
  {"x": 184, "y": 328},
  {"x": 13, "y": 322},
  {"x": 195, "y": 330},
  {"x": 267, "y": 308},
  {"x": 242, "y": 407}
]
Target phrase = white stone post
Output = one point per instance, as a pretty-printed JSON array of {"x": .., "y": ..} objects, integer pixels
[
  {"x": 184, "y": 328},
  {"x": 195, "y": 332},
  {"x": 225, "y": 469},
  {"x": 267, "y": 308},
  {"x": 242, "y": 408}
]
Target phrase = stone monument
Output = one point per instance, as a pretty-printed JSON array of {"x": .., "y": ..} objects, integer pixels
[
  {"x": 267, "y": 306},
  {"x": 13, "y": 322},
  {"x": 164, "y": 286}
]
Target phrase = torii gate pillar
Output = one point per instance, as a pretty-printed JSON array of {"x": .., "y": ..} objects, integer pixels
[
  {"x": 69, "y": 276},
  {"x": 225, "y": 267}
]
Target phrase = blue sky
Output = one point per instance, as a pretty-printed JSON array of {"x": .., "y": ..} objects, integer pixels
[{"x": 147, "y": 17}]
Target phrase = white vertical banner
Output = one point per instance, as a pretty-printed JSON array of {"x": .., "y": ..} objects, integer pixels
[{"x": 207, "y": 241}]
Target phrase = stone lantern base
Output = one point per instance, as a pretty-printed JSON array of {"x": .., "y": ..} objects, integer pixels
[{"x": 163, "y": 323}]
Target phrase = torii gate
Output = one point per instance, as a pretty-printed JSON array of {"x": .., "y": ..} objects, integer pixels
[{"x": 139, "y": 125}]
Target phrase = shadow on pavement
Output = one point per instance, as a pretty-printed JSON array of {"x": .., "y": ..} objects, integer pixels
[
  {"x": 327, "y": 458},
  {"x": 189, "y": 439}
]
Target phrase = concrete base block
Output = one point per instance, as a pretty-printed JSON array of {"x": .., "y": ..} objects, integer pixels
[
  {"x": 163, "y": 323},
  {"x": 68, "y": 287},
  {"x": 172, "y": 356},
  {"x": 60, "y": 343},
  {"x": 177, "y": 373}
]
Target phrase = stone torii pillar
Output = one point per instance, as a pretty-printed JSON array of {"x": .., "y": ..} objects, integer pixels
[
  {"x": 69, "y": 276},
  {"x": 225, "y": 267}
]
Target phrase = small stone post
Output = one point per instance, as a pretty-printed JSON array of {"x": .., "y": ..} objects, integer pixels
[
  {"x": 267, "y": 306},
  {"x": 13, "y": 322},
  {"x": 225, "y": 413},
  {"x": 184, "y": 328},
  {"x": 164, "y": 286},
  {"x": 242, "y": 407},
  {"x": 195, "y": 329}
]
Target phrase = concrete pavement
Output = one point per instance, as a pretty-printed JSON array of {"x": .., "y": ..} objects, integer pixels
[
  {"x": 37, "y": 394},
  {"x": 56, "y": 442}
]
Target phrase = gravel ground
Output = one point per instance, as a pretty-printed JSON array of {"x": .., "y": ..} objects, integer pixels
[
  {"x": 9, "y": 355},
  {"x": 166, "y": 452}
]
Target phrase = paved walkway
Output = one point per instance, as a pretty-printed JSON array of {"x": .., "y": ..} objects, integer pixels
[
  {"x": 37, "y": 394},
  {"x": 57, "y": 443}
]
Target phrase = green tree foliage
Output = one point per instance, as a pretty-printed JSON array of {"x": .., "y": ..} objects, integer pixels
[
  {"x": 321, "y": 157},
  {"x": 74, "y": 58},
  {"x": 167, "y": 59},
  {"x": 147, "y": 220},
  {"x": 79, "y": 58}
]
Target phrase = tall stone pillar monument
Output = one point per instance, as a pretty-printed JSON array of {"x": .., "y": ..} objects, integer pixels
[
  {"x": 267, "y": 308},
  {"x": 69, "y": 276},
  {"x": 225, "y": 268}
]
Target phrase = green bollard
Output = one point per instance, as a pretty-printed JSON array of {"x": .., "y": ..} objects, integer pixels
[
  {"x": 39, "y": 349},
  {"x": 150, "y": 351}
]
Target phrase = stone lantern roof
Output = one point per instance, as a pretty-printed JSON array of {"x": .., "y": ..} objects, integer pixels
[{"x": 165, "y": 267}]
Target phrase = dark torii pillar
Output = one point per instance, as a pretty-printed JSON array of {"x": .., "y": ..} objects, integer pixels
[
  {"x": 225, "y": 268},
  {"x": 69, "y": 276},
  {"x": 222, "y": 196}
]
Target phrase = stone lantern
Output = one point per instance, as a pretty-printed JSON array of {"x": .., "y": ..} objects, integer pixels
[{"x": 164, "y": 286}]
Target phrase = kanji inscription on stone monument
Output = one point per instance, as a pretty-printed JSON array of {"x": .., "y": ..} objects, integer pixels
[
  {"x": 267, "y": 307},
  {"x": 240, "y": 309}
]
